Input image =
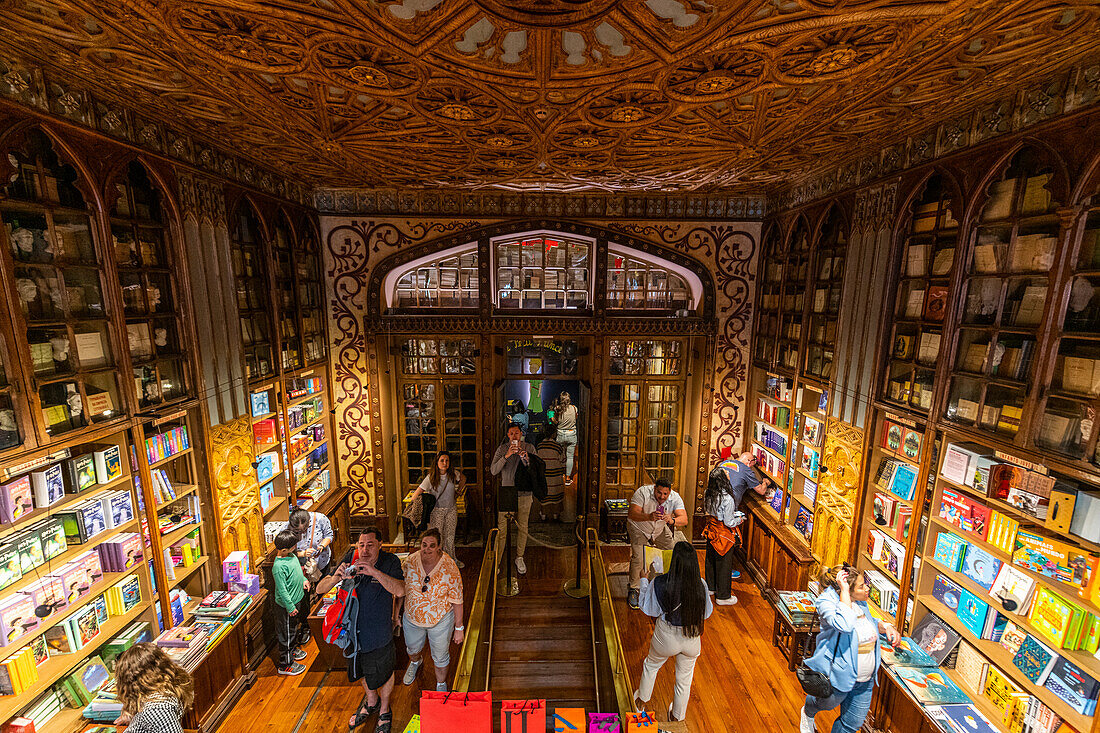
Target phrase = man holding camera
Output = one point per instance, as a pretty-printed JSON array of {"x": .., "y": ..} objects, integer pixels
[
  {"x": 517, "y": 463},
  {"x": 379, "y": 579},
  {"x": 655, "y": 516}
]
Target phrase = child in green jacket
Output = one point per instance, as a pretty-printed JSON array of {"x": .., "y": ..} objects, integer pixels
[{"x": 291, "y": 604}]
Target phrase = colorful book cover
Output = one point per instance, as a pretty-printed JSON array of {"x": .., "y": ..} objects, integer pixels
[
  {"x": 1076, "y": 687},
  {"x": 904, "y": 481},
  {"x": 108, "y": 464},
  {"x": 81, "y": 473},
  {"x": 1002, "y": 532},
  {"x": 970, "y": 665},
  {"x": 947, "y": 592},
  {"x": 968, "y": 718},
  {"x": 49, "y": 485},
  {"x": 122, "y": 508},
  {"x": 10, "y": 568},
  {"x": 935, "y": 636},
  {"x": 777, "y": 500},
  {"x": 999, "y": 689},
  {"x": 17, "y": 617},
  {"x": 52, "y": 532},
  {"x": 260, "y": 404},
  {"x": 1013, "y": 589},
  {"x": 973, "y": 613},
  {"x": 804, "y": 521},
  {"x": 92, "y": 517},
  {"x": 1034, "y": 659},
  {"x": 31, "y": 554},
  {"x": 931, "y": 686},
  {"x": 16, "y": 500},
  {"x": 1012, "y": 638},
  {"x": 980, "y": 566},
  {"x": 950, "y": 549},
  {"x": 1052, "y": 615},
  {"x": 1050, "y": 558},
  {"x": 907, "y": 653}
]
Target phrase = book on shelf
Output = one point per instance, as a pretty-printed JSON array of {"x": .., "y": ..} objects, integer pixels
[
  {"x": 917, "y": 259},
  {"x": 936, "y": 636},
  {"x": 974, "y": 613},
  {"x": 950, "y": 550},
  {"x": 935, "y": 303},
  {"x": 981, "y": 567},
  {"x": 903, "y": 480},
  {"x": 971, "y": 667},
  {"x": 1013, "y": 588},
  {"x": 1081, "y": 375},
  {"x": 930, "y": 685},
  {"x": 1085, "y": 522},
  {"x": 961, "y": 719},
  {"x": 963, "y": 512},
  {"x": 942, "y": 262},
  {"x": 108, "y": 464},
  {"x": 906, "y": 653},
  {"x": 947, "y": 592},
  {"x": 960, "y": 461},
  {"x": 1058, "y": 620},
  {"x": 1050, "y": 558},
  {"x": 48, "y": 485},
  {"x": 1074, "y": 686},
  {"x": 1034, "y": 659}
]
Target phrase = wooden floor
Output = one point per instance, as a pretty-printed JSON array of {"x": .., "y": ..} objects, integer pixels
[{"x": 741, "y": 681}]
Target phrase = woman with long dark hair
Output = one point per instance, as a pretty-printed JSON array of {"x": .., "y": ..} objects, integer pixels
[
  {"x": 679, "y": 601},
  {"x": 444, "y": 481},
  {"x": 720, "y": 506}
]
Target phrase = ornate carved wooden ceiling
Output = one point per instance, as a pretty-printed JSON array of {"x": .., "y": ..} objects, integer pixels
[{"x": 552, "y": 94}]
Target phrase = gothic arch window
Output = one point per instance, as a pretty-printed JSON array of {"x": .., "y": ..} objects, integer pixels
[
  {"x": 637, "y": 281},
  {"x": 542, "y": 270},
  {"x": 446, "y": 279}
]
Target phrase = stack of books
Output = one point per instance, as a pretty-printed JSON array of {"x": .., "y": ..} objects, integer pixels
[
  {"x": 184, "y": 644},
  {"x": 105, "y": 707},
  {"x": 222, "y": 605},
  {"x": 797, "y": 606}
]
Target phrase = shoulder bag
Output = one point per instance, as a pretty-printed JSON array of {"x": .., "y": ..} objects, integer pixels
[{"x": 814, "y": 683}]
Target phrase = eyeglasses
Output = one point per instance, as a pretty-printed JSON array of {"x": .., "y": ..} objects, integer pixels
[{"x": 424, "y": 588}]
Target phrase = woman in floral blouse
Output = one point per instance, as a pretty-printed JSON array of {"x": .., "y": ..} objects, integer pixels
[{"x": 432, "y": 607}]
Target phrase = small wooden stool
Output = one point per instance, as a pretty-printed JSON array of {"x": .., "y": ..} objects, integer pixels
[{"x": 794, "y": 641}]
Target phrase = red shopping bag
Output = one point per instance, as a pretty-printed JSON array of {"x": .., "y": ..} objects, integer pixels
[
  {"x": 446, "y": 712},
  {"x": 640, "y": 723},
  {"x": 523, "y": 716}
]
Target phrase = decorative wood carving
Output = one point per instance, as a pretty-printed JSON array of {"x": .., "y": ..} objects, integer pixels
[
  {"x": 238, "y": 497},
  {"x": 837, "y": 491},
  {"x": 553, "y": 96},
  {"x": 359, "y": 251}
]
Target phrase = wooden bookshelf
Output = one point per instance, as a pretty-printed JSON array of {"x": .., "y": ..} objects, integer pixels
[{"x": 823, "y": 301}]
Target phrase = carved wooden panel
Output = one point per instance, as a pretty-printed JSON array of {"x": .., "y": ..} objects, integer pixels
[
  {"x": 837, "y": 492},
  {"x": 241, "y": 521},
  {"x": 555, "y": 95}
]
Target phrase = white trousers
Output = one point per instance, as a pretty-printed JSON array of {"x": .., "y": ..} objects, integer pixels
[{"x": 669, "y": 641}]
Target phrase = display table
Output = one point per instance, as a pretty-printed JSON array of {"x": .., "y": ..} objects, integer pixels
[
  {"x": 224, "y": 674},
  {"x": 794, "y": 641}
]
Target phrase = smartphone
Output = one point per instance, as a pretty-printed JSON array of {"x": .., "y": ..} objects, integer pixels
[{"x": 515, "y": 444}]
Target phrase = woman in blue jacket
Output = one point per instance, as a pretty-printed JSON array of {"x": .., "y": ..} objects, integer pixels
[{"x": 847, "y": 649}]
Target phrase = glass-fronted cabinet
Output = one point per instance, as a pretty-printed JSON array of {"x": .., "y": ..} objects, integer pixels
[
  {"x": 253, "y": 305},
  {"x": 1066, "y": 421},
  {"x": 1005, "y": 297},
  {"x": 543, "y": 272},
  {"x": 828, "y": 285},
  {"x": 60, "y": 291},
  {"x": 923, "y": 294},
  {"x": 311, "y": 293},
  {"x": 794, "y": 297},
  {"x": 769, "y": 298},
  {"x": 286, "y": 299},
  {"x": 150, "y": 296}
]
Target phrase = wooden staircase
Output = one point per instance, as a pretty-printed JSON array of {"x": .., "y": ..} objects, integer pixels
[{"x": 542, "y": 647}]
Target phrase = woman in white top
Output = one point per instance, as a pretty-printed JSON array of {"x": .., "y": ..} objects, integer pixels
[
  {"x": 445, "y": 483},
  {"x": 679, "y": 601},
  {"x": 566, "y": 420},
  {"x": 847, "y": 649}
]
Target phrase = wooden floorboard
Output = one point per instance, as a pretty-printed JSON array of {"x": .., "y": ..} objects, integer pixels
[{"x": 741, "y": 681}]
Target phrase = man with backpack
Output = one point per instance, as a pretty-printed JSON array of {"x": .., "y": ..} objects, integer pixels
[{"x": 366, "y": 632}]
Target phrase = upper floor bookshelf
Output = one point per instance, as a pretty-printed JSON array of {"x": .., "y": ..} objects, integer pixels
[{"x": 254, "y": 307}]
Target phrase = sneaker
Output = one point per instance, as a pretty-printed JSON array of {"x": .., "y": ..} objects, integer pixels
[
  {"x": 632, "y": 598},
  {"x": 304, "y": 638},
  {"x": 732, "y": 600},
  {"x": 299, "y": 655},
  {"x": 805, "y": 723},
  {"x": 521, "y": 566},
  {"x": 639, "y": 706},
  {"x": 294, "y": 669},
  {"x": 735, "y": 575},
  {"x": 440, "y": 686},
  {"x": 410, "y": 673}
]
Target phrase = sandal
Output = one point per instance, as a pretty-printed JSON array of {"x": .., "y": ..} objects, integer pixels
[
  {"x": 362, "y": 714},
  {"x": 385, "y": 722}
]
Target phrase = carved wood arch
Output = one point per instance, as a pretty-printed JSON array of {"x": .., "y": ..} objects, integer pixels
[
  {"x": 834, "y": 205},
  {"x": 904, "y": 215},
  {"x": 1088, "y": 184},
  {"x": 1059, "y": 185},
  {"x": 800, "y": 219},
  {"x": 66, "y": 154},
  {"x": 598, "y": 233}
]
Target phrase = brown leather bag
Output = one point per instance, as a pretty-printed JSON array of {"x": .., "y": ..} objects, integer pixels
[{"x": 721, "y": 538}]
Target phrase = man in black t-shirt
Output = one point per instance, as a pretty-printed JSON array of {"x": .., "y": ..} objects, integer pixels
[{"x": 378, "y": 580}]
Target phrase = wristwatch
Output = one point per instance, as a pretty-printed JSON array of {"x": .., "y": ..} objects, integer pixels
[{"x": 460, "y": 628}]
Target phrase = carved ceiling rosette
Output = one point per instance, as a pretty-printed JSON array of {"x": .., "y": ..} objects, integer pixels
[
  {"x": 582, "y": 138},
  {"x": 627, "y": 109},
  {"x": 368, "y": 68},
  {"x": 447, "y": 104},
  {"x": 708, "y": 78},
  {"x": 249, "y": 41},
  {"x": 835, "y": 53}
]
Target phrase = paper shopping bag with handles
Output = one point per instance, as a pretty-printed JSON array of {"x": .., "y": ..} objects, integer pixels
[
  {"x": 641, "y": 723},
  {"x": 569, "y": 720},
  {"x": 603, "y": 723},
  {"x": 523, "y": 716},
  {"x": 445, "y": 712}
]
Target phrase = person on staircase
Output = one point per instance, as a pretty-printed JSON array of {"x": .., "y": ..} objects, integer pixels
[
  {"x": 445, "y": 482},
  {"x": 432, "y": 607},
  {"x": 679, "y": 601},
  {"x": 655, "y": 517},
  {"x": 517, "y": 463}
]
